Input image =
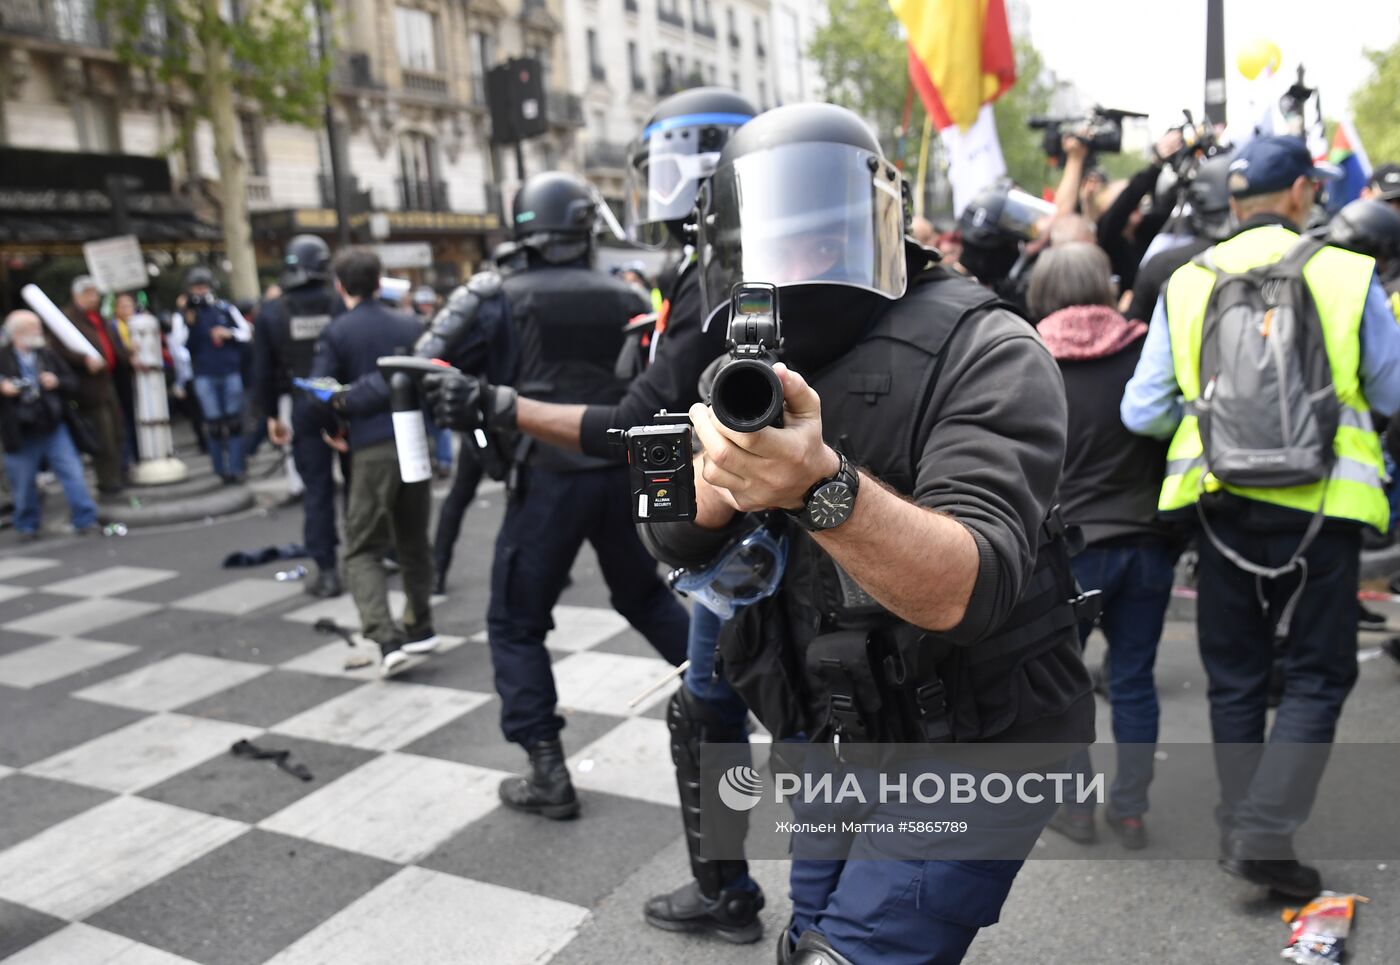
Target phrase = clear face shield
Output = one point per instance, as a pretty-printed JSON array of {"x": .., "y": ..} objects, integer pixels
[
  {"x": 748, "y": 571},
  {"x": 666, "y": 167},
  {"x": 803, "y": 214}
]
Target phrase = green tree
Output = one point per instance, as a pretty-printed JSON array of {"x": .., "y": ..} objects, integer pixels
[
  {"x": 863, "y": 58},
  {"x": 265, "y": 55},
  {"x": 1375, "y": 109}
]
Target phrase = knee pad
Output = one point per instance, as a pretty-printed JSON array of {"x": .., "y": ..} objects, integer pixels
[{"x": 692, "y": 721}]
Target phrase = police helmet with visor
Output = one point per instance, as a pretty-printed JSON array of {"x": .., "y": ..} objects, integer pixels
[
  {"x": 307, "y": 259},
  {"x": 802, "y": 198},
  {"x": 553, "y": 215},
  {"x": 676, "y": 151}
]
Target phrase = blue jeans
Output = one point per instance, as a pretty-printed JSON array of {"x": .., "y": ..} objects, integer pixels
[
  {"x": 700, "y": 677},
  {"x": 63, "y": 460},
  {"x": 221, "y": 401},
  {"x": 1135, "y": 578}
]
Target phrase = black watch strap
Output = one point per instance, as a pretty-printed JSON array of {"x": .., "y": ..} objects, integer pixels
[{"x": 845, "y": 472}]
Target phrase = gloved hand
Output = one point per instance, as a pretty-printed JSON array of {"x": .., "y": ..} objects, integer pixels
[
  {"x": 465, "y": 402},
  {"x": 323, "y": 390}
]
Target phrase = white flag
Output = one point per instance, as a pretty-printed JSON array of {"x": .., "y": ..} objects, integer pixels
[{"x": 974, "y": 157}]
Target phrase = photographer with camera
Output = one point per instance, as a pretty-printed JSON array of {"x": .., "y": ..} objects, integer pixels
[
  {"x": 914, "y": 507},
  {"x": 1130, "y": 223},
  {"x": 667, "y": 164},
  {"x": 37, "y": 391}
]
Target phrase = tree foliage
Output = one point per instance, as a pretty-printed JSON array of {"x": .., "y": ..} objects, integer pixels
[
  {"x": 863, "y": 58},
  {"x": 271, "y": 51},
  {"x": 1375, "y": 108}
]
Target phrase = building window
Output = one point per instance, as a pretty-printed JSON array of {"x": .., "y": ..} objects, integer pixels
[
  {"x": 763, "y": 95},
  {"x": 251, "y": 131},
  {"x": 416, "y": 32},
  {"x": 96, "y": 119},
  {"x": 419, "y": 187},
  {"x": 758, "y": 45},
  {"x": 713, "y": 74},
  {"x": 634, "y": 65},
  {"x": 595, "y": 61},
  {"x": 484, "y": 56},
  {"x": 734, "y": 80},
  {"x": 629, "y": 5}
]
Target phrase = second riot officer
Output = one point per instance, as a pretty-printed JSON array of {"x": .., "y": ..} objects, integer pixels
[
  {"x": 284, "y": 346},
  {"x": 568, "y": 320}
]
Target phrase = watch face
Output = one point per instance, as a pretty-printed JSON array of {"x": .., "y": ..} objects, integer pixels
[{"x": 831, "y": 505}]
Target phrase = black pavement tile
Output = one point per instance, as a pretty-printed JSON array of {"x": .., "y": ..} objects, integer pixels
[
  {"x": 31, "y": 804},
  {"x": 135, "y": 660},
  {"x": 244, "y": 902},
  {"x": 21, "y": 927},
  {"x": 35, "y": 724},
  {"x": 575, "y": 861},
  {"x": 271, "y": 698},
  {"x": 629, "y": 643},
  {"x": 12, "y": 640},
  {"x": 465, "y": 667},
  {"x": 257, "y": 639},
  {"x": 475, "y": 737},
  {"x": 36, "y": 602},
  {"x": 249, "y": 790}
]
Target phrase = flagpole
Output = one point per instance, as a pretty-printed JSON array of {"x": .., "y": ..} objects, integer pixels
[{"x": 923, "y": 167}]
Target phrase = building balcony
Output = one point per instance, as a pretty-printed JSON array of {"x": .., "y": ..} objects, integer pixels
[
  {"x": 69, "y": 21},
  {"x": 425, "y": 83},
  {"x": 611, "y": 155},
  {"x": 673, "y": 17},
  {"x": 415, "y": 195},
  {"x": 358, "y": 202},
  {"x": 705, "y": 29},
  {"x": 355, "y": 71},
  {"x": 259, "y": 193},
  {"x": 734, "y": 40},
  {"x": 597, "y": 72}
]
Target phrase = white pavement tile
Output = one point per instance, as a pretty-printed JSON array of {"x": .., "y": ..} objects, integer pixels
[
  {"x": 382, "y": 716},
  {"x": 53, "y": 659},
  {"x": 77, "y": 619},
  {"x": 426, "y": 908},
  {"x": 20, "y": 565},
  {"x": 397, "y": 807},
  {"x": 605, "y": 682},
  {"x": 87, "y": 862},
  {"x": 11, "y": 592},
  {"x": 240, "y": 596},
  {"x": 172, "y": 682},
  {"x": 329, "y": 660},
  {"x": 581, "y": 627},
  {"x": 144, "y": 753},
  {"x": 6, "y": 770},
  {"x": 631, "y": 760},
  {"x": 113, "y": 581},
  {"x": 84, "y": 944},
  {"x": 341, "y": 609}
]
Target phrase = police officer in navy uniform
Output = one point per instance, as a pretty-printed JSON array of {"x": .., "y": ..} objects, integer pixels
[
  {"x": 674, "y": 154},
  {"x": 284, "y": 346},
  {"x": 927, "y": 571},
  {"x": 569, "y": 322}
]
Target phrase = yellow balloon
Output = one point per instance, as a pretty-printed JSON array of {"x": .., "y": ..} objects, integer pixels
[{"x": 1258, "y": 55}]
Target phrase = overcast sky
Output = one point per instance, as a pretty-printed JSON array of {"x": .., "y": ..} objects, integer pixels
[{"x": 1151, "y": 56}]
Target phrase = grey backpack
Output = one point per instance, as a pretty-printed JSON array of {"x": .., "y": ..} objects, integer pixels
[{"x": 1268, "y": 412}]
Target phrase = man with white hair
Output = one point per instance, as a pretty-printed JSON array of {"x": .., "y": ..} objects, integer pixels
[
  {"x": 34, "y": 382},
  {"x": 96, "y": 394}
]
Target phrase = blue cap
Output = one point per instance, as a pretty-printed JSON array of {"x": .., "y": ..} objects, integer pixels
[{"x": 1268, "y": 164}]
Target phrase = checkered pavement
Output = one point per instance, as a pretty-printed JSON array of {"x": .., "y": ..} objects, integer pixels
[{"x": 132, "y": 835}]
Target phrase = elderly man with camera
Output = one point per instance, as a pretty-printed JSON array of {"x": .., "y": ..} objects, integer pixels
[{"x": 36, "y": 387}]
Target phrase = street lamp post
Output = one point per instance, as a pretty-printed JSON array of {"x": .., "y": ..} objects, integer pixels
[{"x": 338, "y": 191}]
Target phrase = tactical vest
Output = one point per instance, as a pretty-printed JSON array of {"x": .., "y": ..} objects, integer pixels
[
  {"x": 1339, "y": 281},
  {"x": 306, "y": 311},
  {"x": 823, "y": 658},
  {"x": 569, "y": 322},
  {"x": 206, "y": 357}
]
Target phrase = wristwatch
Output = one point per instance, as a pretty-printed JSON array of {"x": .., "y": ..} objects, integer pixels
[{"x": 831, "y": 501}]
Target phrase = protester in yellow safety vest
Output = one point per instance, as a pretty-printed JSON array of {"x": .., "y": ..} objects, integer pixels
[{"x": 1267, "y": 789}]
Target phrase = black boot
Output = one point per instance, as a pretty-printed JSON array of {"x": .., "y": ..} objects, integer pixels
[
  {"x": 326, "y": 584},
  {"x": 546, "y": 790},
  {"x": 1287, "y": 876},
  {"x": 732, "y": 914}
]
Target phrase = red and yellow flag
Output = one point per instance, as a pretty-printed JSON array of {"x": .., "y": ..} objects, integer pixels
[{"x": 960, "y": 55}]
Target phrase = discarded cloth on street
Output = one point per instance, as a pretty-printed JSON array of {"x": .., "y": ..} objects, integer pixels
[
  {"x": 243, "y": 558},
  {"x": 282, "y": 758}
]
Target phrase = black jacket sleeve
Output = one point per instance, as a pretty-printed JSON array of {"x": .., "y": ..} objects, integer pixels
[
  {"x": 1115, "y": 219},
  {"x": 994, "y": 444},
  {"x": 670, "y": 382},
  {"x": 68, "y": 384}
]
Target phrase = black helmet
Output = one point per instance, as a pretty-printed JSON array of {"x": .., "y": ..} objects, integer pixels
[
  {"x": 553, "y": 216},
  {"x": 674, "y": 153},
  {"x": 1369, "y": 227},
  {"x": 1002, "y": 216},
  {"x": 198, "y": 275},
  {"x": 1209, "y": 197},
  {"x": 307, "y": 259}
]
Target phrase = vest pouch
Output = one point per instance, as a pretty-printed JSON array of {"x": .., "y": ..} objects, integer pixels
[{"x": 756, "y": 656}]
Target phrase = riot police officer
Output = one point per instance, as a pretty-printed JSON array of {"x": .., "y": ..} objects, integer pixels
[
  {"x": 284, "y": 346},
  {"x": 996, "y": 226},
  {"x": 927, "y": 595},
  {"x": 569, "y": 321},
  {"x": 1372, "y": 228},
  {"x": 674, "y": 154}
]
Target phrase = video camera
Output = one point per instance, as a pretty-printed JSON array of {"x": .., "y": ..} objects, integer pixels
[
  {"x": 659, "y": 459},
  {"x": 1101, "y": 129}
]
